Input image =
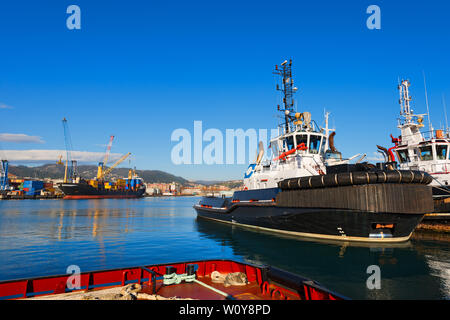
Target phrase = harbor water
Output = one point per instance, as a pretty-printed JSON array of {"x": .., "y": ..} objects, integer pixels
[{"x": 45, "y": 237}]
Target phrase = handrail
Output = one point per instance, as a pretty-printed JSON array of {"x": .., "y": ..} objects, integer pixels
[{"x": 153, "y": 278}]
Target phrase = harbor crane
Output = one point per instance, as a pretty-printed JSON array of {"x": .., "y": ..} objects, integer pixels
[
  {"x": 4, "y": 175},
  {"x": 107, "y": 171},
  {"x": 71, "y": 165},
  {"x": 105, "y": 159}
]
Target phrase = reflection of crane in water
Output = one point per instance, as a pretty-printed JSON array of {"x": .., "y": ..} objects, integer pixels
[{"x": 91, "y": 225}]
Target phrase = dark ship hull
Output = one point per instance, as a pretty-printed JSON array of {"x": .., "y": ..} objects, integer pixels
[
  {"x": 441, "y": 213},
  {"x": 333, "y": 224},
  {"x": 358, "y": 210},
  {"x": 86, "y": 191}
]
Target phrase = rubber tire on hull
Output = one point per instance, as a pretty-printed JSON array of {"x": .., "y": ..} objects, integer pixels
[{"x": 356, "y": 178}]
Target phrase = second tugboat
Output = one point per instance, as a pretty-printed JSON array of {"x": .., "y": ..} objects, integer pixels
[
  {"x": 426, "y": 151},
  {"x": 308, "y": 190}
]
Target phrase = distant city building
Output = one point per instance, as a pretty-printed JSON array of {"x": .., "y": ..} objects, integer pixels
[
  {"x": 168, "y": 189},
  {"x": 191, "y": 191}
]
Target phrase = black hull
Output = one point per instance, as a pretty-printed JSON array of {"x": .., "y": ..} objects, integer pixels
[
  {"x": 441, "y": 214},
  {"x": 86, "y": 191},
  {"x": 371, "y": 212},
  {"x": 441, "y": 192},
  {"x": 335, "y": 224}
]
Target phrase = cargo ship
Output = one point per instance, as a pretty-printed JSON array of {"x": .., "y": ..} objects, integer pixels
[
  {"x": 94, "y": 189},
  {"x": 307, "y": 189},
  {"x": 78, "y": 188},
  {"x": 75, "y": 187}
]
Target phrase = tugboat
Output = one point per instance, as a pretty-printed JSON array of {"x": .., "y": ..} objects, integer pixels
[
  {"x": 426, "y": 151},
  {"x": 308, "y": 190}
]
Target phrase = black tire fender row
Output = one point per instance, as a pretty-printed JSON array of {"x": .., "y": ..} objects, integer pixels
[{"x": 356, "y": 178}]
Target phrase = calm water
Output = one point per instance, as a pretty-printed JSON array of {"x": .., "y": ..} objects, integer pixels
[{"x": 44, "y": 237}]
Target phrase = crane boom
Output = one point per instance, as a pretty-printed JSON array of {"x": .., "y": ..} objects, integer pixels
[
  {"x": 70, "y": 164},
  {"x": 107, "y": 171},
  {"x": 105, "y": 159},
  {"x": 108, "y": 150},
  {"x": 4, "y": 175}
]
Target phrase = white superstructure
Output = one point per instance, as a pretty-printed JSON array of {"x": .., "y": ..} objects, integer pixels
[
  {"x": 301, "y": 149},
  {"x": 416, "y": 150}
]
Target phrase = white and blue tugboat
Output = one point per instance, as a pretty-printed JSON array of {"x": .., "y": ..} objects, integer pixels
[
  {"x": 417, "y": 149},
  {"x": 307, "y": 189}
]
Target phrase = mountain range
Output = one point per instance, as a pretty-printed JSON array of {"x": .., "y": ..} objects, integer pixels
[{"x": 55, "y": 171}]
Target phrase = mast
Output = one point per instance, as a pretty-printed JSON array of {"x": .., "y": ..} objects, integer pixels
[
  {"x": 405, "y": 98},
  {"x": 445, "y": 113},
  {"x": 288, "y": 89},
  {"x": 327, "y": 130},
  {"x": 409, "y": 123},
  {"x": 428, "y": 109}
]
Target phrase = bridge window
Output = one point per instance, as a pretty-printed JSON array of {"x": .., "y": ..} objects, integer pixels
[
  {"x": 274, "y": 146},
  {"x": 441, "y": 151},
  {"x": 289, "y": 142},
  {"x": 403, "y": 156},
  {"x": 301, "y": 138},
  {"x": 322, "y": 148},
  {"x": 426, "y": 153},
  {"x": 314, "y": 144}
]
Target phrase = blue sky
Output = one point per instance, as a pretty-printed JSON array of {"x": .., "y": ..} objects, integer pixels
[{"x": 141, "y": 69}]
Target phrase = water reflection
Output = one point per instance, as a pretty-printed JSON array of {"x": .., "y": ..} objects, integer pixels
[
  {"x": 340, "y": 266},
  {"x": 39, "y": 238},
  {"x": 100, "y": 221}
]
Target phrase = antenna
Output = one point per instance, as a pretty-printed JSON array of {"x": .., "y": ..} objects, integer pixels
[
  {"x": 327, "y": 129},
  {"x": 288, "y": 89},
  {"x": 445, "y": 112},
  {"x": 426, "y": 100}
]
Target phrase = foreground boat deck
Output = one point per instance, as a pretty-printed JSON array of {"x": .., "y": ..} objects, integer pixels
[
  {"x": 182, "y": 291},
  {"x": 251, "y": 291},
  {"x": 147, "y": 283}
]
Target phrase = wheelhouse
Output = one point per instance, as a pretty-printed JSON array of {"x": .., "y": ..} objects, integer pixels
[
  {"x": 426, "y": 151},
  {"x": 313, "y": 142}
]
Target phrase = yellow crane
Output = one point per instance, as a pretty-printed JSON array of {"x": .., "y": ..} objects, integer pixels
[
  {"x": 105, "y": 160},
  {"x": 107, "y": 171}
]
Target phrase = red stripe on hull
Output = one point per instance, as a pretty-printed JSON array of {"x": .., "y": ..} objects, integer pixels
[{"x": 101, "y": 197}]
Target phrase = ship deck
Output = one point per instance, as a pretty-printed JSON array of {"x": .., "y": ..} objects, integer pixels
[{"x": 203, "y": 289}]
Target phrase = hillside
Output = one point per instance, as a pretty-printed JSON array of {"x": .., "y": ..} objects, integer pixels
[{"x": 54, "y": 171}]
